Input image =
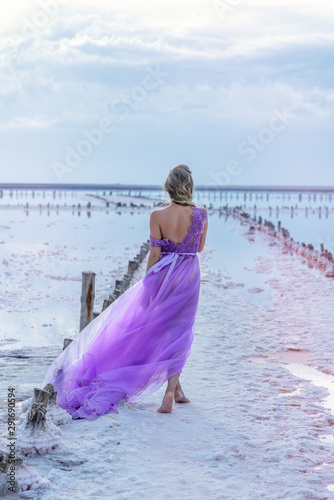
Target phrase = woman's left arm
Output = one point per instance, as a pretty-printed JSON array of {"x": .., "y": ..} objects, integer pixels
[{"x": 203, "y": 237}]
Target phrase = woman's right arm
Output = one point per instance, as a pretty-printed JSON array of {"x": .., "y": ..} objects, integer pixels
[
  {"x": 154, "y": 255},
  {"x": 153, "y": 258}
]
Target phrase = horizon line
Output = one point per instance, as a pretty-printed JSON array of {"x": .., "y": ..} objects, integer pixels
[{"x": 155, "y": 187}]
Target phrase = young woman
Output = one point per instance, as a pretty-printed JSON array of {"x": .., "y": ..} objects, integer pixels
[{"x": 143, "y": 339}]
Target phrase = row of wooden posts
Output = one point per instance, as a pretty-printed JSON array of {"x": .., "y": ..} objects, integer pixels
[
  {"x": 286, "y": 235},
  {"x": 323, "y": 260},
  {"x": 78, "y": 206},
  {"x": 297, "y": 209},
  {"x": 88, "y": 290},
  {"x": 89, "y": 205}
]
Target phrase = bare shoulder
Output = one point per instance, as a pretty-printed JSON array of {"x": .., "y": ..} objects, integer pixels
[
  {"x": 155, "y": 214},
  {"x": 158, "y": 214}
]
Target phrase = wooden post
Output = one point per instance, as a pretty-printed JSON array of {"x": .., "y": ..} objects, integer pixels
[
  {"x": 132, "y": 267},
  {"x": 66, "y": 343},
  {"x": 38, "y": 435},
  {"x": 125, "y": 282},
  {"x": 118, "y": 284},
  {"x": 106, "y": 303},
  {"x": 37, "y": 411},
  {"x": 87, "y": 298},
  {"x": 55, "y": 414},
  {"x": 53, "y": 394}
]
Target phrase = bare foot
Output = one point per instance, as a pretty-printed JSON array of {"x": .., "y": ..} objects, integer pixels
[
  {"x": 167, "y": 403},
  {"x": 180, "y": 397}
]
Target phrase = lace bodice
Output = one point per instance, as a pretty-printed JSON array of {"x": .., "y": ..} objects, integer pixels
[{"x": 191, "y": 241}]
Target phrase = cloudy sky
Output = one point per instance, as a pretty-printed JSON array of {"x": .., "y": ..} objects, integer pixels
[{"x": 106, "y": 92}]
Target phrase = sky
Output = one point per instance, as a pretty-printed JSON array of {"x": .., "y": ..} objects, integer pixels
[{"x": 120, "y": 92}]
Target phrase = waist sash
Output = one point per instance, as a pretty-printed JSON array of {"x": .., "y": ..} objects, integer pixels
[{"x": 168, "y": 258}]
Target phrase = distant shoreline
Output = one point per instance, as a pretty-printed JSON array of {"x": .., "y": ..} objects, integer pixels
[{"x": 133, "y": 187}]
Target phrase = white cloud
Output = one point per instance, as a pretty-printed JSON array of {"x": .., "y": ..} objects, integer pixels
[
  {"x": 23, "y": 122},
  {"x": 223, "y": 74}
]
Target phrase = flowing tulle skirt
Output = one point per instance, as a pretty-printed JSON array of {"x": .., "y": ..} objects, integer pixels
[{"x": 133, "y": 346}]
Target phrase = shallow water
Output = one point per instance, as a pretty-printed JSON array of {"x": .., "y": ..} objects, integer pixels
[{"x": 42, "y": 259}]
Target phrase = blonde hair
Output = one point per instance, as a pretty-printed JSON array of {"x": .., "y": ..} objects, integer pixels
[{"x": 180, "y": 185}]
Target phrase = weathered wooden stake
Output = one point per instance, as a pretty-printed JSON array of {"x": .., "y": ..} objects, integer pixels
[
  {"x": 87, "y": 298},
  {"x": 126, "y": 282},
  {"x": 118, "y": 284},
  {"x": 37, "y": 411},
  {"x": 106, "y": 303},
  {"x": 38, "y": 435},
  {"x": 66, "y": 343},
  {"x": 53, "y": 394},
  {"x": 132, "y": 267}
]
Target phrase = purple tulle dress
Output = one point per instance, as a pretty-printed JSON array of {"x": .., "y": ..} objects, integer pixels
[{"x": 141, "y": 340}]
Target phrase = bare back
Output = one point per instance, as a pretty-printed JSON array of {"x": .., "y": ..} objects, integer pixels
[
  {"x": 174, "y": 222},
  {"x": 177, "y": 228}
]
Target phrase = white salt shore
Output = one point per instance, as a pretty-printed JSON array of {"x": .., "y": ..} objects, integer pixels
[{"x": 261, "y": 417}]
